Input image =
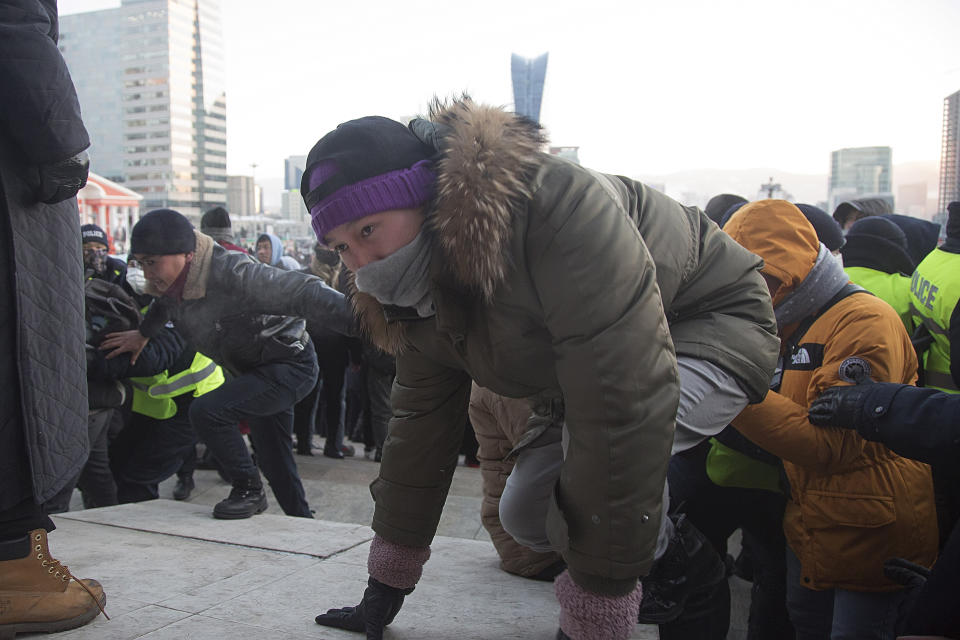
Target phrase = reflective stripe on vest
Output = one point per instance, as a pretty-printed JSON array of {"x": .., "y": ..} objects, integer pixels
[
  {"x": 934, "y": 292},
  {"x": 153, "y": 396},
  {"x": 181, "y": 383}
]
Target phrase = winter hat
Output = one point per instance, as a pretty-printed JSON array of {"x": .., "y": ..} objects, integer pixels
[
  {"x": 720, "y": 204},
  {"x": 828, "y": 230},
  {"x": 953, "y": 221},
  {"x": 365, "y": 166},
  {"x": 216, "y": 218},
  {"x": 93, "y": 233},
  {"x": 877, "y": 243},
  {"x": 162, "y": 232}
]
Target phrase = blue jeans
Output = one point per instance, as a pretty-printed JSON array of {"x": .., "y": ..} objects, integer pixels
[
  {"x": 264, "y": 397},
  {"x": 839, "y": 614}
]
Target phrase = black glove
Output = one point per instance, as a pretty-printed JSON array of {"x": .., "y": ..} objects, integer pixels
[
  {"x": 838, "y": 407},
  {"x": 378, "y": 608},
  {"x": 61, "y": 180},
  {"x": 912, "y": 576},
  {"x": 909, "y": 574}
]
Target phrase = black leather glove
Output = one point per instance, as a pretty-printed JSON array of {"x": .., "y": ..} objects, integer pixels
[
  {"x": 909, "y": 574},
  {"x": 838, "y": 407},
  {"x": 912, "y": 576},
  {"x": 62, "y": 180},
  {"x": 378, "y": 608}
]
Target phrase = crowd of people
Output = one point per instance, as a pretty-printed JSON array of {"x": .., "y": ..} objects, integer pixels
[{"x": 644, "y": 378}]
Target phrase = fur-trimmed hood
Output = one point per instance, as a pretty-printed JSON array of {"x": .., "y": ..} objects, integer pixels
[{"x": 486, "y": 158}]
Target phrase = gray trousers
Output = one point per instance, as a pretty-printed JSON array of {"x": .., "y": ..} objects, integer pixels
[{"x": 709, "y": 399}]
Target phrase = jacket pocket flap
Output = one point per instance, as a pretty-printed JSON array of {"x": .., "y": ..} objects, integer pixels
[{"x": 822, "y": 510}]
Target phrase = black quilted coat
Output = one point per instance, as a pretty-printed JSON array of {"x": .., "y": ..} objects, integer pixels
[{"x": 43, "y": 404}]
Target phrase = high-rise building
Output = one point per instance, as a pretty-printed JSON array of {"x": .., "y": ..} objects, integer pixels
[
  {"x": 859, "y": 172},
  {"x": 293, "y": 168},
  {"x": 150, "y": 79},
  {"x": 295, "y": 215},
  {"x": 529, "y": 75},
  {"x": 950, "y": 153},
  {"x": 242, "y": 196}
]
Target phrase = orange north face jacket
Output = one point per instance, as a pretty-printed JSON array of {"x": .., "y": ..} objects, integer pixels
[{"x": 853, "y": 503}]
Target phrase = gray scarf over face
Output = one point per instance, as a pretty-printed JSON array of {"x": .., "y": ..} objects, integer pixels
[
  {"x": 824, "y": 281},
  {"x": 401, "y": 279}
]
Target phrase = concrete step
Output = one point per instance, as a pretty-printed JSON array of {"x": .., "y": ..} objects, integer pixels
[{"x": 171, "y": 571}]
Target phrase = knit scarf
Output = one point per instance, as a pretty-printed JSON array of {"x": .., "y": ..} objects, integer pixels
[
  {"x": 401, "y": 279},
  {"x": 824, "y": 281}
]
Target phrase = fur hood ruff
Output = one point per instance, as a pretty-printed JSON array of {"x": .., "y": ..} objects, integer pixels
[{"x": 488, "y": 156}]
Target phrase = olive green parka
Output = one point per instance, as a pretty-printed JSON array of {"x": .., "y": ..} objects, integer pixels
[{"x": 550, "y": 279}]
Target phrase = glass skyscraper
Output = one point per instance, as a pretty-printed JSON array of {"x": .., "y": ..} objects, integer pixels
[
  {"x": 529, "y": 75},
  {"x": 860, "y": 171},
  {"x": 150, "y": 78}
]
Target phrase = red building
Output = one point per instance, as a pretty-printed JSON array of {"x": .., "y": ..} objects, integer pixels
[{"x": 111, "y": 206}]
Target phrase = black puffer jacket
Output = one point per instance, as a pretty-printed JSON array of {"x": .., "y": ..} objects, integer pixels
[
  {"x": 242, "y": 313},
  {"x": 43, "y": 393}
]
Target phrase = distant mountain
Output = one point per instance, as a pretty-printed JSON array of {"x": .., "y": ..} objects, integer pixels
[{"x": 697, "y": 186}]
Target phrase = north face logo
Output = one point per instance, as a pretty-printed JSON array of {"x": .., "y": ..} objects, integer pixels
[{"x": 800, "y": 357}]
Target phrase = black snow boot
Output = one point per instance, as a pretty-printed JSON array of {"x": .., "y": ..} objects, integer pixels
[
  {"x": 246, "y": 499},
  {"x": 689, "y": 565}
]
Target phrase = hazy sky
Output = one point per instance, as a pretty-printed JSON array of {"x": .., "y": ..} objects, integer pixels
[{"x": 641, "y": 87}]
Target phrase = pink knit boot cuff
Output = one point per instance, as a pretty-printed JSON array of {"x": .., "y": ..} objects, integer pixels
[
  {"x": 396, "y": 565},
  {"x": 590, "y": 616}
]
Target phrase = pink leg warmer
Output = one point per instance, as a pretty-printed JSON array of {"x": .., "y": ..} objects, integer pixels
[
  {"x": 590, "y": 616},
  {"x": 396, "y": 565}
]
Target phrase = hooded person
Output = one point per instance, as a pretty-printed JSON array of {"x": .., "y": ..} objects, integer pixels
[
  {"x": 249, "y": 319},
  {"x": 875, "y": 257},
  {"x": 849, "y": 211},
  {"x": 935, "y": 305},
  {"x": 852, "y": 503},
  {"x": 270, "y": 251},
  {"x": 457, "y": 229},
  {"x": 216, "y": 224},
  {"x": 923, "y": 236}
]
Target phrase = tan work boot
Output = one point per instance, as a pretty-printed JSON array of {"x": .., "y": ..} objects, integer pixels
[{"x": 37, "y": 595}]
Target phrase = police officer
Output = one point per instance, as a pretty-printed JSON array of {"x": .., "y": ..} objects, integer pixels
[
  {"x": 165, "y": 379},
  {"x": 934, "y": 293},
  {"x": 96, "y": 261}
]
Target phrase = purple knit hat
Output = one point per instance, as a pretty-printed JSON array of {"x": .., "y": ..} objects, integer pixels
[{"x": 362, "y": 167}]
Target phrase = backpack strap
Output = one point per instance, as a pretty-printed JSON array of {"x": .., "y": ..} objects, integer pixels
[{"x": 847, "y": 290}]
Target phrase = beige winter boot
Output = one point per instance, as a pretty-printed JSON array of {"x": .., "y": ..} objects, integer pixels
[{"x": 37, "y": 594}]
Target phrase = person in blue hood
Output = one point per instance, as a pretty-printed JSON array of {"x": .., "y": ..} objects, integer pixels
[{"x": 270, "y": 251}]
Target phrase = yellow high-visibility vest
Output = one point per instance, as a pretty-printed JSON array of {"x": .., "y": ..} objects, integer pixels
[
  {"x": 153, "y": 395},
  {"x": 934, "y": 292}
]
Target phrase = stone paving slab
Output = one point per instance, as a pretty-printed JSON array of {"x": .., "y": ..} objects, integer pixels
[
  {"x": 171, "y": 571},
  {"x": 274, "y": 532}
]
